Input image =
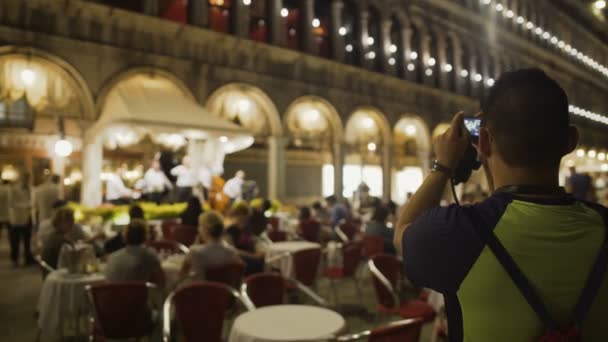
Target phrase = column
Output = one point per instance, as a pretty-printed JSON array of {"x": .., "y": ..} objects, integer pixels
[
  {"x": 276, "y": 167},
  {"x": 338, "y": 162},
  {"x": 457, "y": 66},
  {"x": 337, "y": 41},
  {"x": 361, "y": 37},
  {"x": 240, "y": 20},
  {"x": 197, "y": 13},
  {"x": 150, "y": 7},
  {"x": 385, "y": 43},
  {"x": 386, "y": 170},
  {"x": 92, "y": 159},
  {"x": 276, "y": 23},
  {"x": 410, "y": 75},
  {"x": 308, "y": 39},
  {"x": 425, "y": 54},
  {"x": 442, "y": 59}
]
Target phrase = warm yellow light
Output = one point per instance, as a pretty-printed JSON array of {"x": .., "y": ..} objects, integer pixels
[
  {"x": 63, "y": 148},
  {"x": 600, "y": 4},
  {"x": 410, "y": 130},
  {"x": 591, "y": 153},
  {"x": 28, "y": 77},
  {"x": 371, "y": 147},
  {"x": 580, "y": 153},
  {"x": 601, "y": 156}
]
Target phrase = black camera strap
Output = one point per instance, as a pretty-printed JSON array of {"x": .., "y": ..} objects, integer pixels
[{"x": 533, "y": 190}]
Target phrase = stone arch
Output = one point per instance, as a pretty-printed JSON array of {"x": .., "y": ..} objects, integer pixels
[
  {"x": 224, "y": 94},
  {"x": 324, "y": 107},
  {"x": 379, "y": 119},
  {"x": 73, "y": 76},
  {"x": 150, "y": 71},
  {"x": 413, "y": 126}
]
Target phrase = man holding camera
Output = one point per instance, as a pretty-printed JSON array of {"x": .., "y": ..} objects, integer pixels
[{"x": 515, "y": 266}]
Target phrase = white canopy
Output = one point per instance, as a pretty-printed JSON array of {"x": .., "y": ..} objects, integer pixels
[{"x": 156, "y": 106}]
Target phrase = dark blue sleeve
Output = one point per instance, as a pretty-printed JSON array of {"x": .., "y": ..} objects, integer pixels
[{"x": 442, "y": 244}]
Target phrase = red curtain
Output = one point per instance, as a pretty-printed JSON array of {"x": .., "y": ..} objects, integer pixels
[
  {"x": 219, "y": 15},
  {"x": 175, "y": 10}
]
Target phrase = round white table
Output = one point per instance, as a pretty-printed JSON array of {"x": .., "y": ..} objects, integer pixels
[
  {"x": 63, "y": 297},
  {"x": 172, "y": 266},
  {"x": 281, "y": 249},
  {"x": 287, "y": 323}
]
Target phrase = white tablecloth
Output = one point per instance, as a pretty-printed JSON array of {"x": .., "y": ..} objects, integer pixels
[
  {"x": 171, "y": 267},
  {"x": 286, "y": 323},
  {"x": 63, "y": 297},
  {"x": 281, "y": 248}
]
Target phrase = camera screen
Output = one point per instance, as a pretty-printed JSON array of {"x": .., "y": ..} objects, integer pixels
[{"x": 473, "y": 125}]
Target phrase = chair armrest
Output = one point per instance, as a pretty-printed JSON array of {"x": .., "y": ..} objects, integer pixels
[{"x": 309, "y": 292}]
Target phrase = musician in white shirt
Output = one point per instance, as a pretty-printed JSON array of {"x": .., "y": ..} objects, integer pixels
[
  {"x": 186, "y": 180},
  {"x": 116, "y": 191},
  {"x": 234, "y": 186},
  {"x": 156, "y": 182}
]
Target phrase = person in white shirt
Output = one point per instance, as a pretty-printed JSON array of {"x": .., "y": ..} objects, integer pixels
[
  {"x": 5, "y": 190},
  {"x": 156, "y": 182},
  {"x": 116, "y": 191},
  {"x": 45, "y": 195},
  {"x": 186, "y": 180},
  {"x": 234, "y": 186},
  {"x": 20, "y": 219}
]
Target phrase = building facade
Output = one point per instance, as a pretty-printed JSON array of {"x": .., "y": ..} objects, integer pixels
[{"x": 345, "y": 90}]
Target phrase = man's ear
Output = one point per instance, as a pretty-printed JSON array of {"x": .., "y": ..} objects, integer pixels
[
  {"x": 573, "y": 137},
  {"x": 484, "y": 144}
]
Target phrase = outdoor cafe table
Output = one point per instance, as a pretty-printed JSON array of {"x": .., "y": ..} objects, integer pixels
[
  {"x": 63, "y": 297},
  {"x": 278, "y": 249},
  {"x": 287, "y": 323}
]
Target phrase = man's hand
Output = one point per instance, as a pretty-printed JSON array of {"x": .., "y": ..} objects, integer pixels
[
  {"x": 450, "y": 146},
  {"x": 449, "y": 150}
]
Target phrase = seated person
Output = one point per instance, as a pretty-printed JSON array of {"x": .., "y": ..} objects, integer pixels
[
  {"x": 192, "y": 212},
  {"x": 63, "y": 223},
  {"x": 118, "y": 241},
  {"x": 308, "y": 228},
  {"x": 241, "y": 237},
  {"x": 46, "y": 228},
  {"x": 135, "y": 262},
  {"x": 377, "y": 227},
  {"x": 212, "y": 251}
]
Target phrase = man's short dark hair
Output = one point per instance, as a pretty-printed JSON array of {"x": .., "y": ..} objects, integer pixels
[
  {"x": 136, "y": 232},
  {"x": 55, "y": 179},
  {"x": 527, "y": 114},
  {"x": 136, "y": 212}
]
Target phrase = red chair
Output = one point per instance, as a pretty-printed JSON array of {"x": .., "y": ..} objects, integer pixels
[
  {"x": 310, "y": 230},
  {"x": 372, "y": 245},
  {"x": 186, "y": 235},
  {"x": 229, "y": 274},
  {"x": 277, "y": 235},
  {"x": 170, "y": 246},
  {"x": 351, "y": 258},
  {"x": 306, "y": 265},
  {"x": 265, "y": 289},
  {"x": 120, "y": 310},
  {"x": 386, "y": 273},
  {"x": 348, "y": 230},
  {"x": 407, "y": 330},
  {"x": 166, "y": 228},
  {"x": 274, "y": 223},
  {"x": 200, "y": 309}
]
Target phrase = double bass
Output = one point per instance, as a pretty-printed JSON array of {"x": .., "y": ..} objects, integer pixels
[{"x": 218, "y": 200}]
